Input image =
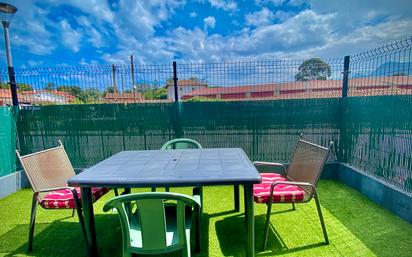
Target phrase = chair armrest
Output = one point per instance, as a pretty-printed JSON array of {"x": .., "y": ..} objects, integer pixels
[
  {"x": 270, "y": 164},
  {"x": 291, "y": 183},
  {"x": 54, "y": 189},
  {"x": 272, "y": 187}
]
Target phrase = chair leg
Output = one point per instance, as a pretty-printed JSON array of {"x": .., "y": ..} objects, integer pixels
[
  {"x": 80, "y": 214},
  {"x": 293, "y": 206},
  {"x": 236, "y": 197},
  {"x": 266, "y": 228},
  {"x": 73, "y": 213},
  {"x": 186, "y": 249},
  {"x": 322, "y": 222},
  {"x": 199, "y": 191},
  {"x": 32, "y": 222},
  {"x": 197, "y": 226},
  {"x": 126, "y": 254}
]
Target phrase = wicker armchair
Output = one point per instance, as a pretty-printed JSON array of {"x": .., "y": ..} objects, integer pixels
[
  {"x": 297, "y": 184},
  {"x": 48, "y": 172}
]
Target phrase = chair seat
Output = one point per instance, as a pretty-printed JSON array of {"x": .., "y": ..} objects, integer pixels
[
  {"x": 281, "y": 193},
  {"x": 63, "y": 199}
]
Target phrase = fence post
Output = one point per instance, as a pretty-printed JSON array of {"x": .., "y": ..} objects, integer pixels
[
  {"x": 177, "y": 106},
  {"x": 13, "y": 86},
  {"x": 133, "y": 84},
  {"x": 346, "y": 72},
  {"x": 175, "y": 81},
  {"x": 342, "y": 151},
  {"x": 114, "y": 82}
]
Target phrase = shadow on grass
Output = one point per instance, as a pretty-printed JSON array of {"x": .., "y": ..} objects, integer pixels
[
  {"x": 61, "y": 238},
  {"x": 232, "y": 237}
]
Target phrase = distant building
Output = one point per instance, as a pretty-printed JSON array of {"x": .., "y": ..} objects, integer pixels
[
  {"x": 40, "y": 97},
  {"x": 6, "y": 99},
  {"x": 390, "y": 85},
  {"x": 184, "y": 87},
  {"x": 132, "y": 97}
]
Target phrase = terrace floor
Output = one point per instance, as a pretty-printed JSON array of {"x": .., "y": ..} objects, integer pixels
[{"x": 356, "y": 227}]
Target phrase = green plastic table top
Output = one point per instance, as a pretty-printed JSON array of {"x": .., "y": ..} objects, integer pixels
[{"x": 182, "y": 167}]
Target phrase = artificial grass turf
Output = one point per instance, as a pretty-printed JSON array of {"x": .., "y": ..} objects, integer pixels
[{"x": 356, "y": 227}]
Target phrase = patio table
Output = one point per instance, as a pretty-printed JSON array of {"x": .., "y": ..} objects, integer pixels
[{"x": 169, "y": 168}]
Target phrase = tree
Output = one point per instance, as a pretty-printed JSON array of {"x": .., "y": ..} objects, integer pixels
[
  {"x": 20, "y": 87},
  {"x": 109, "y": 89},
  {"x": 73, "y": 90},
  {"x": 50, "y": 86},
  {"x": 202, "y": 99},
  {"x": 89, "y": 95},
  {"x": 24, "y": 87},
  {"x": 313, "y": 69},
  {"x": 157, "y": 93}
]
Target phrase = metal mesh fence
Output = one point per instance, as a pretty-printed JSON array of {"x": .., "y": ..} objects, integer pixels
[
  {"x": 376, "y": 136},
  {"x": 385, "y": 70},
  {"x": 260, "y": 106},
  {"x": 231, "y": 81},
  {"x": 266, "y": 130}
]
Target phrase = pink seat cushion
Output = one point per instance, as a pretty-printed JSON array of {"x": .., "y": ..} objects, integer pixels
[
  {"x": 281, "y": 193},
  {"x": 63, "y": 199}
]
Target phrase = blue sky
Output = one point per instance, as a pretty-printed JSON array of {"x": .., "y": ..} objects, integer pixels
[{"x": 73, "y": 32}]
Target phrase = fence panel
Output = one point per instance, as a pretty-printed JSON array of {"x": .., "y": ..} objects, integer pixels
[
  {"x": 378, "y": 137},
  {"x": 7, "y": 141},
  {"x": 266, "y": 130},
  {"x": 92, "y": 133},
  {"x": 226, "y": 81},
  {"x": 385, "y": 70}
]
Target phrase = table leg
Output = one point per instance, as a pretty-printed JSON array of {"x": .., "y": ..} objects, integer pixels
[
  {"x": 249, "y": 220},
  {"x": 88, "y": 214},
  {"x": 236, "y": 197}
]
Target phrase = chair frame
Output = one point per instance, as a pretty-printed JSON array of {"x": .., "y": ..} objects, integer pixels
[
  {"x": 312, "y": 194},
  {"x": 123, "y": 205},
  {"x": 36, "y": 193},
  {"x": 175, "y": 141}
]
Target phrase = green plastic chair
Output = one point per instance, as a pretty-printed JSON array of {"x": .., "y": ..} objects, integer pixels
[
  {"x": 157, "y": 223},
  {"x": 181, "y": 143}
]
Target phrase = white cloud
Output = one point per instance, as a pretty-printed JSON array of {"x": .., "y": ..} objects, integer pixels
[
  {"x": 364, "y": 38},
  {"x": 328, "y": 28},
  {"x": 301, "y": 31},
  {"x": 96, "y": 8},
  {"x": 274, "y": 2},
  {"x": 354, "y": 14},
  {"x": 32, "y": 32},
  {"x": 259, "y": 18},
  {"x": 224, "y": 5},
  {"x": 71, "y": 38},
  {"x": 209, "y": 22}
]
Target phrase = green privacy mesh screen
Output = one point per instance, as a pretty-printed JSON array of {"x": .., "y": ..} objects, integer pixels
[
  {"x": 377, "y": 137},
  {"x": 7, "y": 141},
  {"x": 265, "y": 130},
  {"x": 370, "y": 133}
]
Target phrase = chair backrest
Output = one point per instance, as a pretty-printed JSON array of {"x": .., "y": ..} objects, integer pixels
[
  {"x": 307, "y": 163},
  {"x": 181, "y": 143},
  {"x": 143, "y": 218},
  {"x": 47, "y": 169}
]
